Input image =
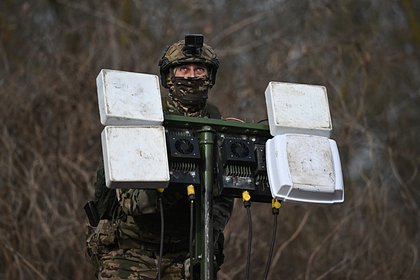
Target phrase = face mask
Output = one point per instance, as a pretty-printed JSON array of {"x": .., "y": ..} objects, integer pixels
[{"x": 191, "y": 92}]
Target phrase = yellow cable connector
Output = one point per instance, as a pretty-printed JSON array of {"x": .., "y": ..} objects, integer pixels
[
  {"x": 275, "y": 203},
  {"x": 191, "y": 192},
  {"x": 275, "y": 206},
  {"x": 246, "y": 196}
]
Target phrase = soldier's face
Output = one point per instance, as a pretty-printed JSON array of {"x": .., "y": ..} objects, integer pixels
[{"x": 191, "y": 71}]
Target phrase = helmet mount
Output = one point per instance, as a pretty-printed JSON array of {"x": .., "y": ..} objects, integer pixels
[{"x": 193, "y": 45}]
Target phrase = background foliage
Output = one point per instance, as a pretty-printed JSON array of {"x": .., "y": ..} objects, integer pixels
[{"x": 366, "y": 53}]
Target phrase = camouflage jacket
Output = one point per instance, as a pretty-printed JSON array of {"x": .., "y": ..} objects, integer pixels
[{"x": 136, "y": 215}]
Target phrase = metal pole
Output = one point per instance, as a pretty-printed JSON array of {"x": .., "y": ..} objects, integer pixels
[{"x": 207, "y": 148}]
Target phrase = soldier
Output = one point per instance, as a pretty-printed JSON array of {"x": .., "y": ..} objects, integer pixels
[{"x": 125, "y": 243}]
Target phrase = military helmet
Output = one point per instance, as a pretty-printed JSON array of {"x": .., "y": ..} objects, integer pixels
[{"x": 190, "y": 50}]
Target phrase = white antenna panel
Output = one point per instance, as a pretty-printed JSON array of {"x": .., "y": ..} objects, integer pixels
[
  {"x": 298, "y": 109},
  {"x": 128, "y": 98},
  {"x": 304, "y": 168},
  {"x": 135, "y": 157}
]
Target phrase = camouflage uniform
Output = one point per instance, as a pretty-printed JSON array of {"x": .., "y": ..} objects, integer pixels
[{"x": 125, "y": 244}]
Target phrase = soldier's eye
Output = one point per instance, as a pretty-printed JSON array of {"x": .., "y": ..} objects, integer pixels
[{"x": 200, "y": 70}]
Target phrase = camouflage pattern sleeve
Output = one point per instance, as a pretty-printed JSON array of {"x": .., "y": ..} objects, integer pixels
[
  {"x": 136, "y": 202},
  {"x": 222, "y": 209},
  {"x": 132, "y": 201}
]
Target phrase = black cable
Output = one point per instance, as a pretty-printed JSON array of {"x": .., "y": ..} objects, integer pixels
[
  {"x": 264, "y": 120},
  {"x": 162, "y": 230},
  {"x": 273, "y": 241},
  {"x": 191, "y": 238},
  {"x": 248, "y": 259},
  {"x": 191, "y": 197}
]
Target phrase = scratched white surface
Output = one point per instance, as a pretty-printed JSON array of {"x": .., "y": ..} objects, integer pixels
[
  {"x": 298, "y": 108},
  {"x": 135, "y": 157},
  {"x": 311, "y": 163},
  {"x": 128, "y": 98},
  {"x": 304, "y": 168}
]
